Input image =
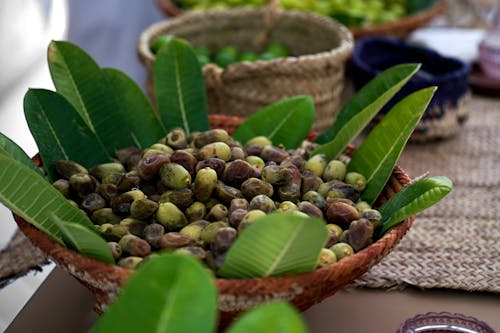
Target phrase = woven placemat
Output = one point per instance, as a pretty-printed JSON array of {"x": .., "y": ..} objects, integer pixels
[
  {"x": 456, "y": 243},
  {"x": 18, "y": 258}
]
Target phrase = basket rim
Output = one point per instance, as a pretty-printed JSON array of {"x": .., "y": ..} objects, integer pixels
[{"x": 341, "y": 52}]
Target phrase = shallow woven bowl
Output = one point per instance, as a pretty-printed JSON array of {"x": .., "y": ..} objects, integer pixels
[
  {"x": 447, "y": 110},
  {"x": 444, "y": 322},
  {"x": 399, "y": 28},
  {"x": 235, "y": 295},
  {"x": 320, "y": 47}
]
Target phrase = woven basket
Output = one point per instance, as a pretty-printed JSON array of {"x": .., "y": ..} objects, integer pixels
[
  {"x": 399, "y": 28},
  {"x": 235, "y": 295},
  {"x": 321, "y": 47}
]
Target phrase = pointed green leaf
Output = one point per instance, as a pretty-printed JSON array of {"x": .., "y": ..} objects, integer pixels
[
  {"x": 413, "y": 199},
  {"x": 377, "y": 155},
  {"x": 270, "y": 318},
  {"x": 361, "y": 109},
  {"x": 180, "y": 88},
  {"x": 79, "y": 79},
  {"x": 286, "y": 122},
  {"x": 168, "y": 293},
  {"x": 145, "y": 126},
  {"x": 59, "y": 131},
  {"x": 9, "y": 147},
  {"x": 275, "y": 245},
  {"x": 83, "y": 240},
  {"x": 30, "y": 196}
]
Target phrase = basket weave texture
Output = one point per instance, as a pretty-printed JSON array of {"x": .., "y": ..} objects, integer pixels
[
  {"x": 235, "y": 295},
  {"x": 320, "y": 47}
]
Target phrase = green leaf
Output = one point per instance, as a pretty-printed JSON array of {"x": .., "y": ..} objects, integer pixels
[
  {"x": 270, "y": 318},
  {"x": 361, "y": 109},
  {"x": 83, "y": 240},
  {"x": 145, "y": 126},
  {"x": 79, "y": 79},
  {"x": 275, "y": 245},
  {"x": 413, "y": 199},
  {"x": 180, "y": 88},
  {"x": 377, "y": 155},
  {"x": 10, "y": 148},
  {"x": 168, "y": 293},
  {"x": 286, "y": 122},
  {"x": 59, "y": 131},
  {"x": 30, "y": 196}
]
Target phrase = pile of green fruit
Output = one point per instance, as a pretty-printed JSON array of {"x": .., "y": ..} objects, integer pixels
[
  {"x": 228, "y": 54},
  {"x": 352, "y": 13},
  {"x": 196, "y": 194}
]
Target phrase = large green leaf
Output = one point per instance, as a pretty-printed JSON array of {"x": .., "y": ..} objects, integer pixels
[
  {"x": 275, "y": 245},
  {"x": 9, "y": 147},
  {"x": 138, "y": 112},
  {"x": 413, "y": 199},
  {"x": 378, "y": 153},
  {"x": 286, "y": 122},
  {"x": 180, "y": 88},
  {"x": 168, "y": 293},
  {"x": 83, "y": 240},
  {"x": 30, "y": 196},
  {"x": 270, "y": 318},
  {"x": 79, "y": 79},
  {"x": 59, "y": 131},
  {"x": 361, "y": 109}
]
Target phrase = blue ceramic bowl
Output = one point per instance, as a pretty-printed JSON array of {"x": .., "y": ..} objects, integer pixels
[{"x": 445, "y": 113}]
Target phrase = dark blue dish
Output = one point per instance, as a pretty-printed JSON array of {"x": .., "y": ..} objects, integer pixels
[{"x": 372, "y": 55}]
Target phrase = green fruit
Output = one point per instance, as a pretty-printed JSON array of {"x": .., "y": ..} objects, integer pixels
[
  {"x": 268, "y": 56},
  {"x": 248, "y": 56},
  {"x": 226, "y": 56},
  {"x": 278, "y": 50},
  {"x": 158, "y": 42}
]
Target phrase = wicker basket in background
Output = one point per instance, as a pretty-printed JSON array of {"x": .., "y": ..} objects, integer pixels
[{"x": 320, "y": 47}]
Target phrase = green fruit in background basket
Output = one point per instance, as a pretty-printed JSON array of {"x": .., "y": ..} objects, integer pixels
[
  {"x": 226, "y": 56},
  {"x": 159, "y": 42},
  {"x": 279, "y": 50},
  {"x": 267, "y": 56},
  {"x": 248, "y": 56}
]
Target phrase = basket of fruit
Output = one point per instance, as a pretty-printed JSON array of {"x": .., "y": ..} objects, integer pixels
[
  {"x": 364, "y": 18},
  {"x": 259, "y": 57},
  {"x": 274, "y": 210}
]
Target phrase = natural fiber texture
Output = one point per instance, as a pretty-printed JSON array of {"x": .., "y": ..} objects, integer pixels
[
  {"x": 320, "y": 47},
  {"x": 455, "y": 244},
  {"x": 19, "y": 258}
]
